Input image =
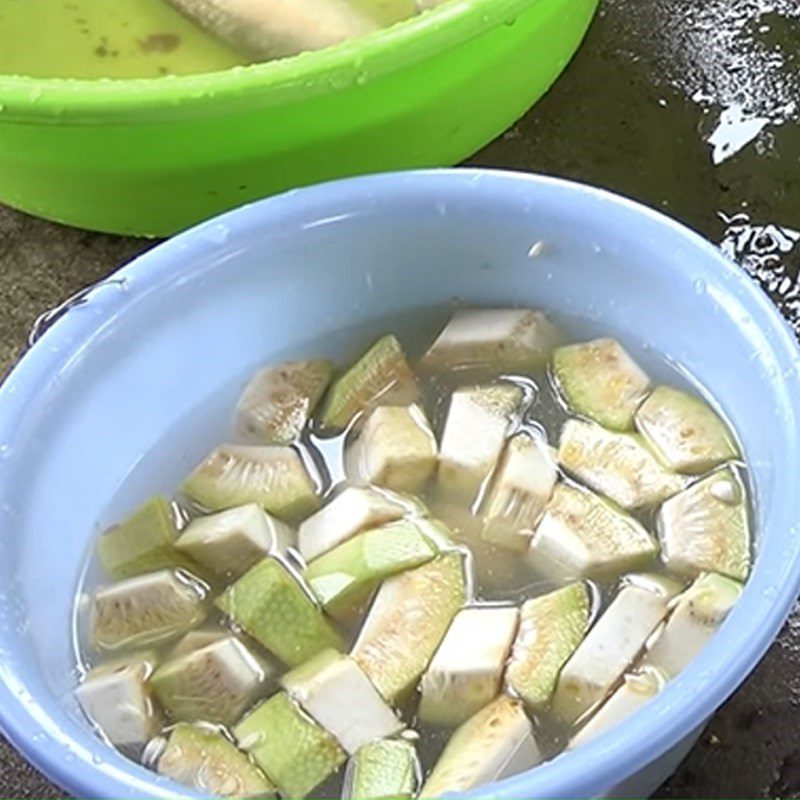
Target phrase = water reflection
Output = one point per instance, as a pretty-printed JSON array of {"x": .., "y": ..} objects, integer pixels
[{"x": 771, "y": 254}]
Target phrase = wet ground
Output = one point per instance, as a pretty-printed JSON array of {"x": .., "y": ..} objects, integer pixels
[{"x": 692, "y": 106}]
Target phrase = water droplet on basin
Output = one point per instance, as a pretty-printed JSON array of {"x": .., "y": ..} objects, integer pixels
[
  {"x": 536, "y": 249},
  {"x": 218, "y": 233},
  {"x": 699, "y": 286}
]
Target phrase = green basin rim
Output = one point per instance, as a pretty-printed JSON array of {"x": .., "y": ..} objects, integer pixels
[{"x": 286, "y": 80}]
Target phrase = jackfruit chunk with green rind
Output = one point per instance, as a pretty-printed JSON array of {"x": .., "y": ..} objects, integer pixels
[
  {"x": 550, "y": 629},
  {"x": 478, "y": 420},
  {"x": 118, "y": 701},
  {"x": 204, "y": 760},
  {"x": 273, "y": 476},
  {"x": 216, "y": 683},
  {"x": 695, "y": 617},
  {"x": 599, "y": 380},
  {"x": 269, "y": 603},
  {"x": 491, "y": 745},
  {"x": 617, "y": 465},
  {"x": 144, "y": 542},
  {"x": 637, "y": 689},
  {"x": 583, "y": 536},
  {"x": 352, "y": 511},
  {"x": 506, "y": 339},
  {"x": 394, "y": 448},
  {"x": 278, "y": 401},
  {"x": 384, "y": 770},
  {"x": 520, "y": 489},
  {"x": 466, "y": 671},
  {"x": 706, "y": 528},
  {"x": 146, "y": 609},
  {"x": 229, "y": 542},
  {"x": 333, "y": 690},
  {"x": 383, "y": 368},
  {"x": 684, "y": 431},
  {"x": 407, "y": 621},
  {"x": 355, "y": 567},
  {"x": 295, "y": 752},
  {"x": 612, "y": 645}
]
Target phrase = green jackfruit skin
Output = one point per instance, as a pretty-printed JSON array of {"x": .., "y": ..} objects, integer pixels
[
  {"x": 601, "y": 381},
  {"x": 551, "y": 628},
  {"x": 351, "y": 570},
  {"x": 381, "y": 368},
  {"x": 384, "y": 770},
  {"x": 270, "y": 605},
  {"x": 684, "y": 431},
  {"x": 144, "y": 542},
  {"x": 205, "y": 760},
  {"x": 295, "y": 752}
]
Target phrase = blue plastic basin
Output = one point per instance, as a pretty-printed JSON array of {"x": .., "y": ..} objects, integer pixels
[{"x": 114, "y": 403}]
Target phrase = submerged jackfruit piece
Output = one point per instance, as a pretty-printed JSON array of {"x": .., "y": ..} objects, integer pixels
[
  {"x": 478, "y": 420},
  {"x": 335, "y": 692},
  {"x": 383, "y": 770},
  {"x": 216, "y": 683},
  {"x": 269, "y": 603},
  {"x": 520, "y": 489},
  {"x": 504, "y": 339},
  {"x": 277, "y": 403},
  {"x": 117, "y": 699},
  {"x": 612, "y": 644},
  {"x": 351, "y": 570},
  {"x": 382, "y": 369},
  {"x": 550, "y": 629},
  {"x": 599, "y": 380},
  {"x": 146, "y": 609},
  {"x": 706, "y": 528},
  {"x": 144, "y": 542},
  {"x": 407, "y": 621},
  {"x": 295, "y": 752},
  {"x": 582, "y": 535},
  {"x": 467, "y": 670},
  {"x": 493, "y": 744},
  {"x": 395, "y": 448},
  {"x": 684, "y": 431},
  {"x": 230, "y": 542},
  {"x": 204, "y": 760},
  {"x": 272, "y": 29},
  {"x": 695, "y": 618},
  {"x": 637, "y": 689},
  {"x": 617, "y": 465},
  {"x": 273, "y": 476},
  {"x": 352, "y": 511}
]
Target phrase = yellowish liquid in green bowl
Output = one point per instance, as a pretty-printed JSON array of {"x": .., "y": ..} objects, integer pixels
[{"x": 123, "y": 38}]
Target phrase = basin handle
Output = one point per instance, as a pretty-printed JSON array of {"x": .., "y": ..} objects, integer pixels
[{"x": 48, "y": 318}]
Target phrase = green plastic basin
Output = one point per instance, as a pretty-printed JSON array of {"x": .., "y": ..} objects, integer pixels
[{"x": 154, "y": 156}]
